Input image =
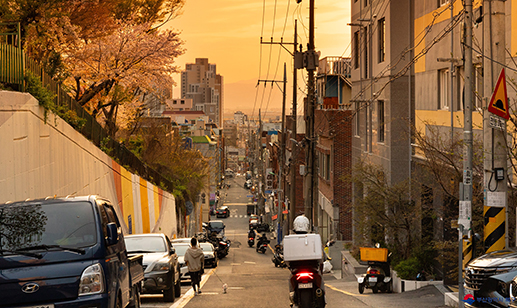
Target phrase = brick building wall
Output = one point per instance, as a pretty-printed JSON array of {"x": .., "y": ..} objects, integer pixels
[{"x": 334, "y": 130}]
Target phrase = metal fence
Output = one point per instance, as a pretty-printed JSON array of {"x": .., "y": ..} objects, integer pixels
[{"x": 13, "y": 67}]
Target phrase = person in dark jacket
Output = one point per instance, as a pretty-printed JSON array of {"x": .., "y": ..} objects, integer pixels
[{"x": 195, "y": 259}]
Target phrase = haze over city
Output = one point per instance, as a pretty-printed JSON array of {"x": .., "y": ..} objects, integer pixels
[{"x": 228, "y": 33}]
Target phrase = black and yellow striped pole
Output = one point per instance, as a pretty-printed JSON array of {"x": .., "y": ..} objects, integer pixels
[
  {"x": 494, "y": 228},
  {"x": 467, "y": 250}
]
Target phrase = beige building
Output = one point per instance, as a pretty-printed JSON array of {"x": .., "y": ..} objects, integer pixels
[{"x": 201, "y": 83}]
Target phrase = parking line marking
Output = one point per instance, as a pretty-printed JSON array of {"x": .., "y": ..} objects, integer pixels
[
  {"x": 249, "y": 262},
  {"x": 344, "y": 292},
  {"x": 183, "y": 301}
]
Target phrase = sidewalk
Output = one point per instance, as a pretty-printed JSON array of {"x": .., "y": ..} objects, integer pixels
[{"x": 429, "y": 296}]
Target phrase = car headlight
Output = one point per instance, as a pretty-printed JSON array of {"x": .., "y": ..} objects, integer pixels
[
  {"x": 161, "y": 266},
  {"x": 92, "y": 280}
]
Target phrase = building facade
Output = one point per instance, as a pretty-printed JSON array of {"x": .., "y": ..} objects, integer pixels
[{"x": 201, "y": 83}]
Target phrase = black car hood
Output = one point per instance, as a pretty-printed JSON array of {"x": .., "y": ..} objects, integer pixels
[{"x": 500, "y": 258}]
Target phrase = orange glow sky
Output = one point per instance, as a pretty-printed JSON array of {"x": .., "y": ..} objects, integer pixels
[{"x": 228, "y": 32}]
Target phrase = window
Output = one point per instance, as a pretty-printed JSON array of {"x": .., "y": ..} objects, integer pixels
[
  {"x": 444, "y": 84},
  {"x": 442, "y": 2},
  {"x": 356, "y": 49},
  {"x": 324, "y": 166},
  {"x": 382, "y": 39},
  {"x": 380, "y": 120},
  {"x": 357, "y": 121}
]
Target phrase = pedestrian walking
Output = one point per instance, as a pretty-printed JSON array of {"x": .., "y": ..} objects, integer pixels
[{"x": 195, "y": 259}]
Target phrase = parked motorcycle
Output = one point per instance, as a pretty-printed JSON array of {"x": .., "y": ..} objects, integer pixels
[
  {"x": 307, "y": 284},
  {"x": 278, "y": 257},
  {"x": 251, "y": 238},
  {"x": 378, "y": 274},
  {"x": 262, "y": 243}
]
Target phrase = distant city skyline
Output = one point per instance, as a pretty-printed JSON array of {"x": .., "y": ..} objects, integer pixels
[{"x": 229, "y": 38}]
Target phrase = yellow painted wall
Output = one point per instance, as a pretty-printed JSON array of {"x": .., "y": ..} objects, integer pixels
[
  {"x": 127, "y": 197},
  {"x": 144, "y": 201}
]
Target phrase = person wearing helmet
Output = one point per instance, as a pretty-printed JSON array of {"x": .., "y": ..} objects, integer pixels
[{"x": 301, "y": 225}]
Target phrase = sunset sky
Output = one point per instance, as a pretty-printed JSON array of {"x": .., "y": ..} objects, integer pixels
[{"x": 228, "y": 32}]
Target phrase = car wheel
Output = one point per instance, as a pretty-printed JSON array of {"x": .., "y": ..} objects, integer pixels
[
  {"x": 135, "y": 301},
  {"x": 177, "y": 288},
  {"x": 168, "y": 294}
]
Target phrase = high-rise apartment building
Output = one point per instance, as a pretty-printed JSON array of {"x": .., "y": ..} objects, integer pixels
[{"x": 201, "y": 83}]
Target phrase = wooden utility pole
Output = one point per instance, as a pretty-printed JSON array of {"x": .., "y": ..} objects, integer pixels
[
  {"x": 294, "y": 147},
  {"x": 311, "y": 178},
  {"x": 281, "y": 193}
]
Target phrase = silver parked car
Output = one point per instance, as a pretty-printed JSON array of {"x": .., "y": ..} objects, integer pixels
[{"x": 161, "y": 266}]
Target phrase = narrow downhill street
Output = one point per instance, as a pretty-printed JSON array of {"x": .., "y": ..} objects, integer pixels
[{"x": 253, "y": 281}]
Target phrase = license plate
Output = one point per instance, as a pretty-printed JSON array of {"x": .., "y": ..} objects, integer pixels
[
  {"x": 372, "y": 279},
  {"x": 40, "y": 306},
  {"x": 305, "y": 285}
]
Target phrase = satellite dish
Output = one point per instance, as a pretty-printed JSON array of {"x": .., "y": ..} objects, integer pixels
[{"x": 189, "y": 207}]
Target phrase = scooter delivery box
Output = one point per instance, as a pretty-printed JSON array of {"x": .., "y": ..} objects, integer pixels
[{"x": 298, "y": 247}]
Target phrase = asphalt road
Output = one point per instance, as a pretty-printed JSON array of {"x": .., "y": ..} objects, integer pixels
[{"x": 252, "y": 280}]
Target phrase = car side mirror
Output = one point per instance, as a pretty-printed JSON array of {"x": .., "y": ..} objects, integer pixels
[
  {"x": 112, "y": 236},
  {"x": 173, "y": 251}
]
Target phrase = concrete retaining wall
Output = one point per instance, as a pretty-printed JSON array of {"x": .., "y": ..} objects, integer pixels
[{"x": 39, "y": 159}]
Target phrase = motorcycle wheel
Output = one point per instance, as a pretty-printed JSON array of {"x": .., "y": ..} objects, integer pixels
[
  {"x": 375, "y": 289},
  {"x": 361, "y": 288},
  {"x": 389, "y": 288},
  {"x": 305, "y": 299}
]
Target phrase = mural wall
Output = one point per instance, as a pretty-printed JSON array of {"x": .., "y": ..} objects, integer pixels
[{"x": 41, "y": 158}]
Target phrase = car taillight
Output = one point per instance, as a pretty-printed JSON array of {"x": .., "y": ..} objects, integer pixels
[
  {"x": 373, "y": 271},
  {"x": 304, "y": 276}
]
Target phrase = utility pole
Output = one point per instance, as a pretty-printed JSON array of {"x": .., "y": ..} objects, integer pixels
[
  {"x": 310, "y": 175},
  {"x": 465, "y": 210},
  {"x": 495, "y": 149},
  {"x": 262, "y": 202},
  {"x": 281, "y": 194},
  {"x": 294, "y": 151}
]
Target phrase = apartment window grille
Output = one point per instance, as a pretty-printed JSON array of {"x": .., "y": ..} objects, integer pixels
[
  {"x": 444, "y": 84},
  {"x": 382, "y": 39},
  {"x": 356, "y": 49},
  {"x": 380, "y": 120}
]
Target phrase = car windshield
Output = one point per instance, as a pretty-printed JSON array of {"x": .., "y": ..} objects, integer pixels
[
  {"x": 180, "y": 249},
  {"x": 145, "y": 244},
  {"x": 207, "y": 247},
  {"x": 216, "y": 225},
  {"x": 33, "y": 226}
]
